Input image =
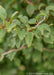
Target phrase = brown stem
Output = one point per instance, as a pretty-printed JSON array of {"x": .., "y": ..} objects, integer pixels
[
  {"x": 30, "y": 3},
  {"x": 39, "y": 2},
  {"x": 49, "y": 50},
  {"x": 12, "y": 51},
  {"x": 39, "y": 23}
]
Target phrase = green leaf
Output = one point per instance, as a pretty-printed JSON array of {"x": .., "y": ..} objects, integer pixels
[
  {"x": 21, "y": 33},
  {"x": 2, "y": 34},
  {"x": 38, "y": 45},
  {"x": 15, "y": 13},
  {"x": 42, "y": 13},
  {"x": 41, "y": 5},
  {"x": 37, "y": 33},
  {"x": 49, "y": 40},
  {"x": 29, "y": 38},
  {"x": 23, "y": 19},
  {"x": 10, "y": 26},
  {"x": 52, "y": 13},
  {"x": 46, "y": 34},
  {"x": 30, "y": 10},
  {"x": 3, "y": 13},
  {"x": 17, "y": 22},
  {"x": 48, "y": 55},
  {"x": 18, "y": 43},
  {"x": 11, "y": 56},
  {"x": 36, "y": 57},
  {"x": 43, "y": 27},
  {"x": 50, "y": 7},
  {"x": 27, "y": 52},
  {"x": 32, "y": 21},
  {"x": 52, "y": 31},
  {"x": 12, "y": 42},
  {"x": 17, "y": 62}
]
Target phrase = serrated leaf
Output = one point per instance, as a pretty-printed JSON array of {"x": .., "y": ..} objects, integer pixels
[
  {"x": 50, "y": 7},
  {"x": 43, "y": 27},
  {"x": 21, "y": 33},
  {"x": 23, "y": 19},
  {"x": 18, "y": 43},
  {"x": 49, "y": 40},
  {"x": 38, "y": 45},
  {"x": 3, "y": 13},
  {"x": 32, "y": 21},
  {"x": 46, "y": 34},
  {"x": 12, "y": 43},
  {"x": 27, "y": 52},
  {"x": 17, "y": 22},
  {"x": 11, "y": 56},
  {"x": 37, "y": 33},
  {"x": 30, "y": 10},
  {"x": 42, "y": 13},
  {"x": 29, "y": 38},
  {"x": 2, "y": 34}
]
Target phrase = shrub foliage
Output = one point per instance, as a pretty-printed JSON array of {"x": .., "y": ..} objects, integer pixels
[{"x": 26, "y": 36}]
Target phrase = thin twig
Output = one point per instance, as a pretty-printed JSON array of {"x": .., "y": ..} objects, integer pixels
[
  {"x": 49, "y": 50},
  {"x": 39, "y": 23},
  {"x": 22, "y": 47},
  {"x": 29, "y": 2},
  {"x": 39, "y": 2},
  {"x": 12, "y": 51}
]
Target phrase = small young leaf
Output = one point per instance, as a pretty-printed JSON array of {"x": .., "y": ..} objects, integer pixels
[{"x": 14, "y": 14}]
